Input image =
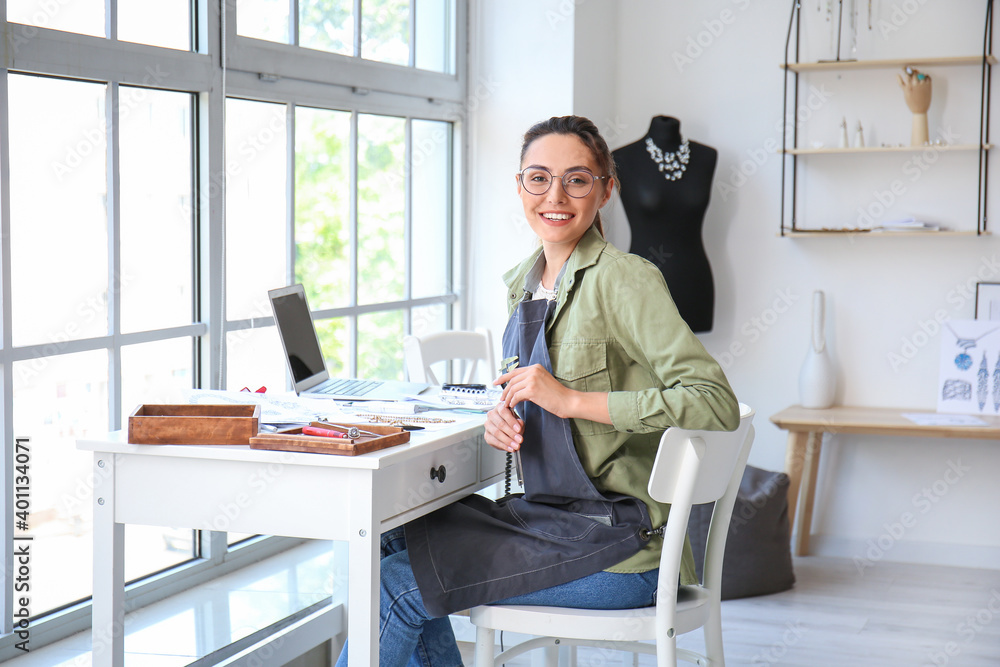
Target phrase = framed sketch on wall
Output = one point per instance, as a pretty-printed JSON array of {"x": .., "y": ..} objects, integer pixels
[
  {"x": 988, "y": 301},
  {"x": 969, "y": 377}
]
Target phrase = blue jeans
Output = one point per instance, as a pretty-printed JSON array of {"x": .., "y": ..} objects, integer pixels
[{"x": 408, "y": 635}]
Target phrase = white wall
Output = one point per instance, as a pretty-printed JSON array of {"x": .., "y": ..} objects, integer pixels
[{"x": 880, "y": 291}]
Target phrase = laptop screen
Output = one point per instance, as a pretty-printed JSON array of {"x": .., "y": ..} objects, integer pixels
[{"x": 295, "y": 326}]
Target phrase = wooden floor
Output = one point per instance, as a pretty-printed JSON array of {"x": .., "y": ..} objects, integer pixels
[{"x": 886, "y": 615}]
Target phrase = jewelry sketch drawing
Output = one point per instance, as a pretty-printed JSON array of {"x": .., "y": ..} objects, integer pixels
[
  {"x": 981, "y": 388},
  {"x": 956, "y": 390},
  {"x": 996, "y": 386}
]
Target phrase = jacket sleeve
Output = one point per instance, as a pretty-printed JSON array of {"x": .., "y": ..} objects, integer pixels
[{"x": 671, "y": 379}]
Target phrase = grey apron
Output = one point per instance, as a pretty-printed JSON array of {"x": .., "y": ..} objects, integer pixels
[{"x": 477, "y": 551}]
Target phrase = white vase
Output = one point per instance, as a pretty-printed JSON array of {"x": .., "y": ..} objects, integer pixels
[{"x": 817, "y": 380}]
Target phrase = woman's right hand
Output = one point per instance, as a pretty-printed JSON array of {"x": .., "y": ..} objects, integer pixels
[{"x": 503, "y": 429}]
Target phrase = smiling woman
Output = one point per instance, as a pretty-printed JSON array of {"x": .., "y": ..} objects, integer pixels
[{"x": 605, "y": 363}]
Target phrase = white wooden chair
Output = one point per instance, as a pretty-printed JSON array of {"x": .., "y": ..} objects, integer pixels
[
  {"x": 691, "y": 467},
  {"x": 476, "y": 346}
]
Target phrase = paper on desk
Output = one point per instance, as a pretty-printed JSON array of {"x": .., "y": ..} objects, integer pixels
[
  {"x": 281, "y": 408},
  {"x": 943, "y": 419},
  {"x": 483, "y": 402}
]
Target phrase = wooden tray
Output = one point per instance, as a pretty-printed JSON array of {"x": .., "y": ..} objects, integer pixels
[
  {"x": 193, "y": 424},
  {"x": 292, "y": 440}
]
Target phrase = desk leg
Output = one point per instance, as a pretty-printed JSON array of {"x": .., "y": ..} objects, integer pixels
[
  {"x": 108, "y": 628},
  {"x": 363, "y": 582},
  {"x": 808, "y": 493},
  {"x": 795, "y": 455}
]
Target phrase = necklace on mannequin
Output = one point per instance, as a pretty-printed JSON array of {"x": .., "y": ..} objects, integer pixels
[{"x": 672, "y": 164}]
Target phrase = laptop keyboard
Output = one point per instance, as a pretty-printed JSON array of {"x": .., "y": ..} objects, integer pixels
[{"x": 349, "y": 387}]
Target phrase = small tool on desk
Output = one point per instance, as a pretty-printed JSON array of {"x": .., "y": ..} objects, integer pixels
[
  {"x": 506, "y": 366},
  {"x": 324, "y": 432}
]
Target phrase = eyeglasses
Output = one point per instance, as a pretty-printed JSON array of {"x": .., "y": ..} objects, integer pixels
[{"x": 538, "y": 180}]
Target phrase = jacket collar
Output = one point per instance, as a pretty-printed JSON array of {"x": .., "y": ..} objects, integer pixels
[{"x": 586, "y": 254}]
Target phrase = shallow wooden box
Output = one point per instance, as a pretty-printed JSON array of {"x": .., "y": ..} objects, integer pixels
[
  {"x": 292, "y": 440},
  {"x": 193, "y": 424}
]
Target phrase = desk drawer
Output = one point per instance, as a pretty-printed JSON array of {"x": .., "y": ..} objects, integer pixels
[
  {"x": 492, "y": 461},
  {"x": 425, "y": 479}
]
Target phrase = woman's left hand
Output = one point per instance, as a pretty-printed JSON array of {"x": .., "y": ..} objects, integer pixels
[{"x": 534, "y": 383}]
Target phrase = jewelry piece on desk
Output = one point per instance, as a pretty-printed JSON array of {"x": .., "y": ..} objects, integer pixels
[{"x": 398, "y": 421}]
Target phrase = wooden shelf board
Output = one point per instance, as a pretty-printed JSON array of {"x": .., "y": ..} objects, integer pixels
[
  {"x": 801, "y": 233},
  {"x": 884, "y": 149},
  {"x": 950, "y": 61}
]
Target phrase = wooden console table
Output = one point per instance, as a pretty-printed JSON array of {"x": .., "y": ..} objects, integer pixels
[{"x": 805, "y": 436}]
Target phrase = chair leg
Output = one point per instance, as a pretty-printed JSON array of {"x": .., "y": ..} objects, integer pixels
[
  {"x": 485, "y": 647},
  {"x": 713, "y": 640},
  {"x": 666, "y": 652}
]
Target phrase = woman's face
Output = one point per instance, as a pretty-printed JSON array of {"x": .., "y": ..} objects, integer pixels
[{"x": 554, "y": 216}]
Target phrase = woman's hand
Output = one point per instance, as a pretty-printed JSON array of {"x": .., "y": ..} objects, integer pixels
[
  {"x": 504, "y": 431},
  {"x": 534, "y": 383}
]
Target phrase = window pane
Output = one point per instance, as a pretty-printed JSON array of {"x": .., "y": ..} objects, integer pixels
[
  {"x": 263, "y": 19},
  {"x": 58, "y": 189},
  {"x": 333, "y": 340},
  {"x": 149, "y": 549},
  {"x": 57, "y": 400},
  {"x": 256, "y": 205},
  {"x": 156, "y": 209},
  {"x": 254, "y": 359},
  {"x": 323, "y": 206},
  {"x": 168, "y": 25},
  {"x": 327, "y": 25},
  {"x": 380, "y": 345},
  {"x": 381, "y": 206},
  {"x": 385, "y": 31},
  {"x": 429, "y": 319},
  {"x": 82, "y": 16},
  {"x": 435, "y": 35},
  {"x": 157, "y": 372},
  {"x": 430, "y": 172}
]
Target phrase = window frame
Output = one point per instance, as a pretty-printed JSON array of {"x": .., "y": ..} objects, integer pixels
[{"x": 254, "y": 69}]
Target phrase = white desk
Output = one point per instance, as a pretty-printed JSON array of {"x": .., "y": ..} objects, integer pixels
[{"x": 292, "y": 494}]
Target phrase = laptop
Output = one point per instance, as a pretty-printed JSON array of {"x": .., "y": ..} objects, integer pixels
[{"x": 305, "y": 359}]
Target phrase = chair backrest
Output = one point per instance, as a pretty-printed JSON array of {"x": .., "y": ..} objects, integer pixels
[
  {"x": 714, "y": 453},
  {"x": 694, "y": 467},
  {"x": 476, "y": 347}
]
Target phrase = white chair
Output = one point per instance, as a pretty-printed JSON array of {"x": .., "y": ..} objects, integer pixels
[
  {"x": 691, "y": 467},
  {"x": 473, "y": 346}
]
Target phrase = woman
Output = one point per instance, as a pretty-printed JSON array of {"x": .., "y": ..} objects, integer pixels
[{"x": 605, "y": 363}]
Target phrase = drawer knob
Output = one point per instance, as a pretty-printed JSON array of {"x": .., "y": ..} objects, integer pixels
[{"x": 439, "y": 473}]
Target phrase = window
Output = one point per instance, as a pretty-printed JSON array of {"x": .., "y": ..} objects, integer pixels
[{"x": 149, "y": 210}]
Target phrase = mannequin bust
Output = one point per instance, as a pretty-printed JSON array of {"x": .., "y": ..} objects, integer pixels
[{"x": 665, "y": 205}]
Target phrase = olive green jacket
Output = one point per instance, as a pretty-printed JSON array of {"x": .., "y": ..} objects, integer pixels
[{"x": 616, "y": 329}]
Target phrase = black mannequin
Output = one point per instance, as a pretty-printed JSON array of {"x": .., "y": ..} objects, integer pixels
[{"x": 666, "y": 216}]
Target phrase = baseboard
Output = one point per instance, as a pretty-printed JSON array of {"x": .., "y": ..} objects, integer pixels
[{"x": 869, "y": 552}]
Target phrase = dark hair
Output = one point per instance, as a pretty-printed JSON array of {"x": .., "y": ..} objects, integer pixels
[{"x": 588, "y": 133}]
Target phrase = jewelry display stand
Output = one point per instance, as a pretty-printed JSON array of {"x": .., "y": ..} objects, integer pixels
[{"x": 790, "y": 167}]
